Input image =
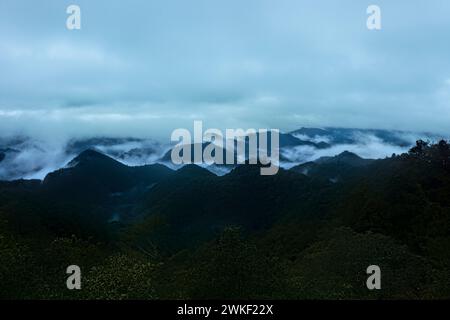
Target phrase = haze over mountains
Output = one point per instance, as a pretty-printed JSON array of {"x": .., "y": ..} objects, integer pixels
[
  {"x": 25, "y": 157},
  {"x": 86, "y": 176}
]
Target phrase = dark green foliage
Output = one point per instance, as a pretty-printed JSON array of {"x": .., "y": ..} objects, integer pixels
[
  {"x": 335, "y": 268},
  {"x": 232, "y": 268},
  {"x": 121, "y": 276},
  {"x": 195, "y": 205},
  {"x": 337, "y": 169},
  {"x": 296, "y": 236},
  {"x": 18, "y": 268}
]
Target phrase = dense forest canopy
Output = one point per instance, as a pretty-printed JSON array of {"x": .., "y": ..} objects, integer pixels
[{"x": 308, "y": 232}]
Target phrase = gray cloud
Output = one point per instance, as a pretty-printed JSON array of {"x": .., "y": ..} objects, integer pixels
[{"x": 143, "y": 68}]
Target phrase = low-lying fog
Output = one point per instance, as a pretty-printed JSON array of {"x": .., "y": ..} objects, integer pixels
[{"x": 28, "y": 158}]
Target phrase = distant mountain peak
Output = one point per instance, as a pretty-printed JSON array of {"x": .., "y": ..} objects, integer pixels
[
  {"x": 91, "y": 156},
  {"x": 193, "y": 170},
  {"x": 248, "y": 170},
  {"x": 345, "y": 157},
  {"x": 347, "y": 153}
]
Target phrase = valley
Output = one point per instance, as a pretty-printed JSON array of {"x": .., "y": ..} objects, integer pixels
[{"x": 152, "y": 232}]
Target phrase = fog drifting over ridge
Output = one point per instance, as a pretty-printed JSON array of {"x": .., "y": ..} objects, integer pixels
[
  {"x": 143, "y": 69},
  {"x": 368, "y": 147},
  {"x": 30, "y": 158}
]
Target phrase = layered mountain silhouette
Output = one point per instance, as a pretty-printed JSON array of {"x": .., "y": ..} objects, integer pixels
[
  {"x": 341, "y": 166},
  {"x": 335, "y": 136},
  {"x": 26, "y": 157},
  {"x": 313, "y": 228},
  {"x": 93, "y": 175},
  {"x": 285, "y": 141}
]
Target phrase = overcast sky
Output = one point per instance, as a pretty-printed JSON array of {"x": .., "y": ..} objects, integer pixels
[{"x": 144, "y": 68}]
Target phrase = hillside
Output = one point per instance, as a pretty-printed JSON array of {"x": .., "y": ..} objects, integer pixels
[{"x": 192, "y": 234}]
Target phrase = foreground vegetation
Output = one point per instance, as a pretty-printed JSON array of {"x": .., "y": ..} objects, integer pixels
[{"x": 192, "y": 235}]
